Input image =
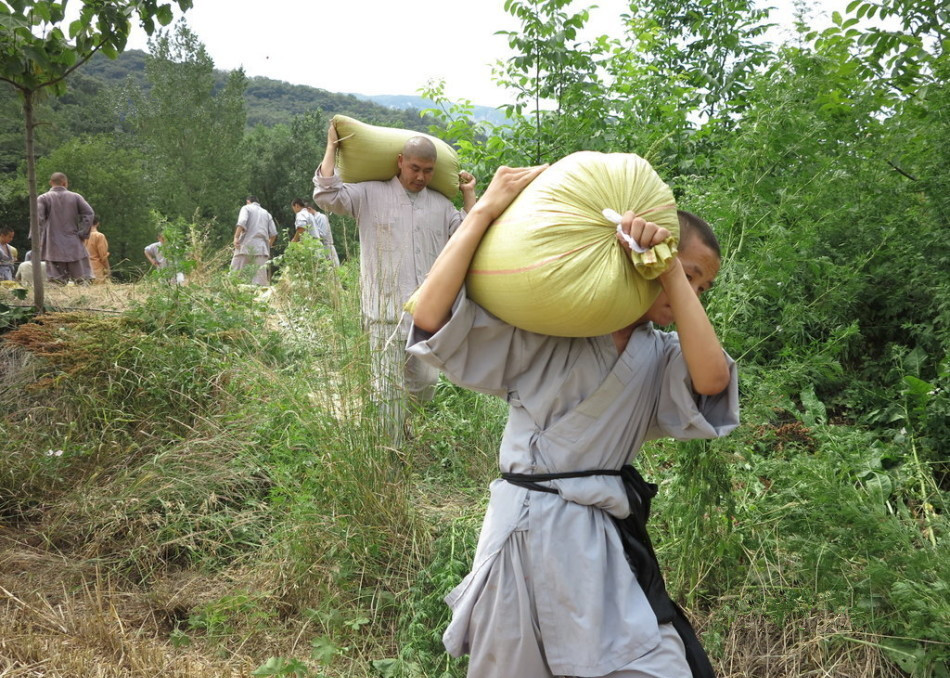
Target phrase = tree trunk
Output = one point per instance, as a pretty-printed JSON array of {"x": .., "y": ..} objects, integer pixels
[{"x": 36, "y": 238}]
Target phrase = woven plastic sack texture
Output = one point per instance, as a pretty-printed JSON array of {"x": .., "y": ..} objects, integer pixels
[
  {"x": 368, "y": 153},
  {"x": 551, "y": 262}
]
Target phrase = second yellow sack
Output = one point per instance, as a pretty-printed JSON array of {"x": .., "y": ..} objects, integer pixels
[{"x": 368, "y": 153}]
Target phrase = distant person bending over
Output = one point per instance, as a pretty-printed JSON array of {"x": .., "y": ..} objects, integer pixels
[
  {"x": 98, "y": 248},
  {"x": 24, "y": 273},
  {"x": 154, "y": 253},
  {"x": 64, "y": 219},
  {"x": 402, "y": 228},
  {"x": 564, "y": 581},
  {"x": 254, "y": 235},
  {"x": 7, "y": 253}
]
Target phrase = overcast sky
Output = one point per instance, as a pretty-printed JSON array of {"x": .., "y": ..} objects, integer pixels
[{"x": 383, "y": 46}]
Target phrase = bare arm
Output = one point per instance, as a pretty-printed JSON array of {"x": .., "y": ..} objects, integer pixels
[
  {"x": 698, "y": 340},
  {"x": 238, "y": 235},
  {"x": 702, "y": 351},
  {"x": 442, "y": 284},
  {"x": 329, "y": 156}
]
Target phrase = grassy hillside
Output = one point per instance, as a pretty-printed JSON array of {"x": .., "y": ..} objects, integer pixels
[
  {"x": 198, "y": 485},
  {"x": 88, "y": 106}
]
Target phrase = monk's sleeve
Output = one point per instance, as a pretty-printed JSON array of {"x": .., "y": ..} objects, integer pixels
[
  {"x": 474, "y": 349},
  {"x": 42, "y": 211},
  {"x": 333, "y": 195},
  {"x": 684, "y": 414},
  {"x": 86, "y": 215},
  {"x": 455, "y": 218}
]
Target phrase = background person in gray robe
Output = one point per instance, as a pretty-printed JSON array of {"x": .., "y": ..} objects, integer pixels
[
  {"x": 64, "y": 219},
  {"x": 7, "y": 253},
  {"x": 316, "y": 225},
  {"x": 322, "y": 230},
  {"x": 254, "y": 235},
  {"x": 402, "y": 228},
  {"x": 551, "y": 592}
]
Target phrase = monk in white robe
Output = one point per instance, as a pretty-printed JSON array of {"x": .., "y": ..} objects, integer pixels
[
  {"x": 402, "y": 228},
  {"x": 254, "y": 235},
  {"x": 551, "y": 592}
]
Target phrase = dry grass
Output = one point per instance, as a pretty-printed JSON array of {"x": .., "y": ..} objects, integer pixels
[
  {"x": 60, "y": 618},
  {"x": 105, "y": 297},
  {"x": 822, "y": 645}
]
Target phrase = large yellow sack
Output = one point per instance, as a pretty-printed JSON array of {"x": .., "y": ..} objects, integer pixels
[
  {"x": 551, "y": 262},
  {"x": 368, "y": 153}
]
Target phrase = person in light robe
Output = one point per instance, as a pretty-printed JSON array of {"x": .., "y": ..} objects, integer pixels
[
  {"x": 254, "y": 235},
  {"x": 565, "y": 581},
  {"x": 402, "y": 228}
]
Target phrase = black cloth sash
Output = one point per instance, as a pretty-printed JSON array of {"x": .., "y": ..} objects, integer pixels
[{"x": 639, "y": 551}]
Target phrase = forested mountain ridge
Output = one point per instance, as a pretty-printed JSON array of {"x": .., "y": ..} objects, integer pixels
[
  {"x": 268, "y": 101},
  {"x": 87, "y": 106}
]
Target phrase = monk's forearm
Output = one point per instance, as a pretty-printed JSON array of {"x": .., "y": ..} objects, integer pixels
[
  {"x": 698, "y": 340},
  {"x": 468, "y": 200},
  {"x": 329, "y": 159}
]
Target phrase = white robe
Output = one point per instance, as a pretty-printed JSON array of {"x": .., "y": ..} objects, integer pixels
[
  {"x": 400, "y": 238},
  {"x": 573, "y": 405}
]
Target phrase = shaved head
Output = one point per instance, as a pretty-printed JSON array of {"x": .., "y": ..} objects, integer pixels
[
  {"x": 58, "y": 179},
  {"x": 419, "y": 147},
  {"x": 692, "y": 225}
]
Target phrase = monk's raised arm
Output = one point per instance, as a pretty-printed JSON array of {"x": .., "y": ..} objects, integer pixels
[{"x": 447, "y": 275}]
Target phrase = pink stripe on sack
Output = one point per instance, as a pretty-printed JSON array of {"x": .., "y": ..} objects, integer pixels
[{"x": 532, "y": 266}]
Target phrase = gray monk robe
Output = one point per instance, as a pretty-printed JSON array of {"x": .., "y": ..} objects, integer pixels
[
  {"x": 64, "y": 219},
  {"x": 574, "y": 404}
]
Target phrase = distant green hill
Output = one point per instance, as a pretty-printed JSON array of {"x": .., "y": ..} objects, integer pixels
[
  {"x": 270, "y": 101},
  {"x": 87, "y": 107},
  {"x": 408, "y": 102}
]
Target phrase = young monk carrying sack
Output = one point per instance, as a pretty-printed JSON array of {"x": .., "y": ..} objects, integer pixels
[
  {"x": 550, "y": 263},
  {"x": 551, "y": 591}
]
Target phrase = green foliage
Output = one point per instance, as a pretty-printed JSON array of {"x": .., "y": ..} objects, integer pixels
[
  {"x": 716, "y": 44},
  {"x": 425, "y": 615},
  {"x": 479, "y": 147},
  {"x": 115, "y": 181},
  {"x": 13, "y": 315},
  {"x": 192, "y": 132},
  {"x": 905, "y": 57},
  {"x": 555, "y": 79}
]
